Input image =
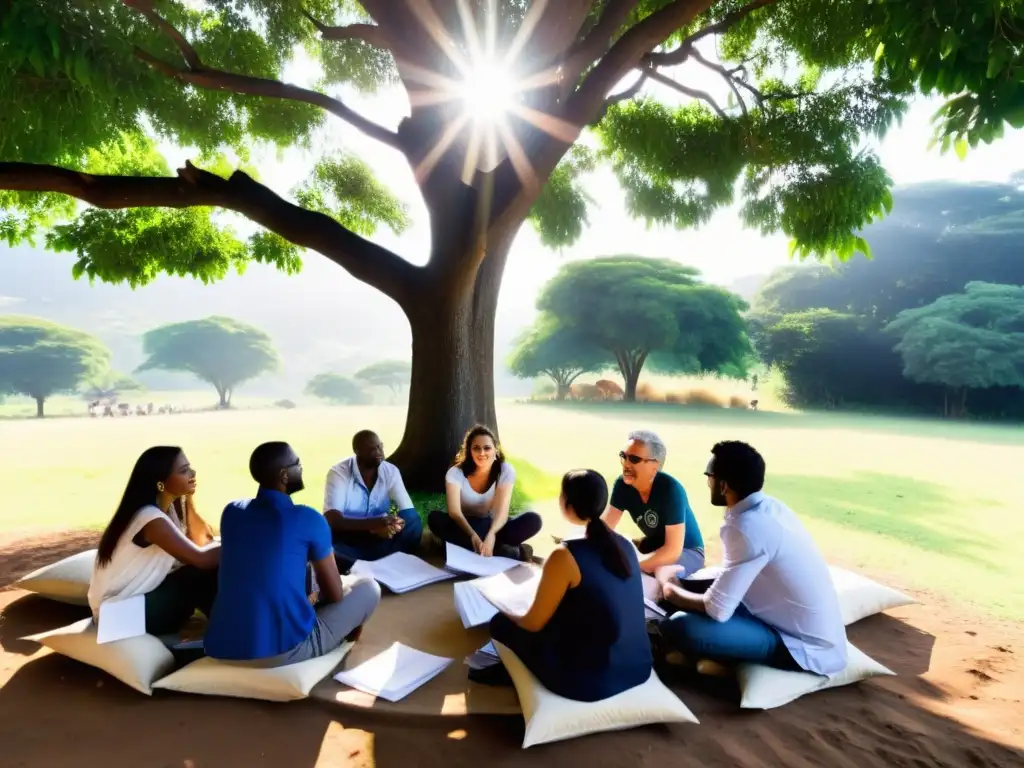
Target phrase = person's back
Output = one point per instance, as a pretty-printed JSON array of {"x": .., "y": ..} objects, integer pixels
[
  {"x": 793, "y": 592},
  {"x": 262, "y": 608},
  {"x": 609, "y": 611}
]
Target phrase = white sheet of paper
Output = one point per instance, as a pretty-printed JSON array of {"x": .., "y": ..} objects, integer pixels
[
  {"x": 401, "y": 572},
  {"x": 395, "y": 673},
  {"x": 474, "y": 609},
  {"x": 121, "y": 619},
  {"x": 463, "y": 561},
  {"x": 512, "y": 591}
]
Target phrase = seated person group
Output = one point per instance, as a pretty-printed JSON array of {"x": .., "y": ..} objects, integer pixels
[{"x": 273, "y": 591}]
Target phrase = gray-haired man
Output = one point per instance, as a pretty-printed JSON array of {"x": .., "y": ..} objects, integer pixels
[{"x": 657, "y": 503}]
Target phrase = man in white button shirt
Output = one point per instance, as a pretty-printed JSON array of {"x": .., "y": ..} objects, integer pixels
[
  {"x": 774, "y": 602},
  {"x": 357, "y": 504}
]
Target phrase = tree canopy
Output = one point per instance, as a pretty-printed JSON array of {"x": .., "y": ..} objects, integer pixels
[
  {"x": 98, "y": 84},
  {"x": 338, "y": 389},
  {"x": 109, "y": 384},
  {"x": 963, "y": 341},
  {"x": 635, "y": 309},
  {"x": 393, "y": 374},
  {"x": 549, "y": 348},
  {"x": 218, "y": 350},
  {"x": 39, "y": 358}
]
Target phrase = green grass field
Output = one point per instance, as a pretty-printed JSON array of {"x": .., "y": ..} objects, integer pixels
[{"x": 928, "y": 504}]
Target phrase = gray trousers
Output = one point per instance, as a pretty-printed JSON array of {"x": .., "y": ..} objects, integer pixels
[{"x": 334, "y": 622}]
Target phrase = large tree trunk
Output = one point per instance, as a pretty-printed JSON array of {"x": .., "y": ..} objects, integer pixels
[
  {"x": 39, "y": 407},
  {"x": 452, "y": 382}
]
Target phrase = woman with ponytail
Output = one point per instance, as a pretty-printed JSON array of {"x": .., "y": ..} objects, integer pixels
[{"x": 584, "y": 637}]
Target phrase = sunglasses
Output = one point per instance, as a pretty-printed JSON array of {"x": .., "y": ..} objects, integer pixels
[{"x": 633, "y": 458}]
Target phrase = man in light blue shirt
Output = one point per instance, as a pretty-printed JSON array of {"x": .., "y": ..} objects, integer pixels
[{"x": 357, "y": 502}]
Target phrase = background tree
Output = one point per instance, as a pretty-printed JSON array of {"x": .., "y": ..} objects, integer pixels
[
  {"x": 218, "y": 350},
  {"x": 550, "y": 349},
  {"x": 634, "y": 308},
  {"x": 393, "y": 374},
  {"x": 108, "y": 385},
  {"x": 338, "y": 389},
  {"x": 39, "y": 359},
  {"x": 499, "y": 91},
  {"x": 965, "y": 341}
]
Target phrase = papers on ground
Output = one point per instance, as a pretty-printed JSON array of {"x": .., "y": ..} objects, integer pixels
[
  {"x": 462, "y": 560},
  {"x": 401, "y": 572},
  {"x": 395, "y": 673}
]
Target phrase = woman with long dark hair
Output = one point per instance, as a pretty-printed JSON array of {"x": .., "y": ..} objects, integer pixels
[
  {"x": 585, "y": 635},
  {"x": 478, "y": 490},
  {"x": 157, "y": 545}
]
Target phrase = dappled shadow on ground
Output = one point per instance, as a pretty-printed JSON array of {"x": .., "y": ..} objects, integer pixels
[
  {"x": 55, "y": 712},
  {"x": 911, "y": 511},
  {"x": 906, "y": 426}
]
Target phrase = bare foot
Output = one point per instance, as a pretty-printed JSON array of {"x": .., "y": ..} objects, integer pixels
[{"x": 713, "y": 669}]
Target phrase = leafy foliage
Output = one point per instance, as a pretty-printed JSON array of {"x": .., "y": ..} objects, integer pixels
[
  {"x": 969, "y": 340},
  {"x": 336, "y": 388},
  {"x": 39, "y": 358},
  {"x": 560, "y": 213},
  {"x": 549, "y": 348},
  {"x": 218, "y": 350},
  {"x": 108, "y": 385},
  {"x": 658, "y": 308},
  {"x": 393, "y": 374}
]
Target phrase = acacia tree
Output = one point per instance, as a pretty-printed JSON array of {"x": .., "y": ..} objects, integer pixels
[
  {"x": 88, "y": 82},
  {"x": 336, "y": 388},
  {"x": 39, "y": 358},
  {"x": 964, "y": 341},
  {"x": 393, "y": 374},
  {"x": 219, "y": 350},
  {"x": 637, "y": 309},
  {"x": 548, "y": 348}
]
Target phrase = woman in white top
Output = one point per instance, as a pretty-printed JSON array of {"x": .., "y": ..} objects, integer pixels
[
  {"x": 478, "y": 488},
  {"x": 157, "y": 545}
]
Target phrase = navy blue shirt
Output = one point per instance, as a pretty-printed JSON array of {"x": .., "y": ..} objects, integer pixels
[
  {"x": 262, "y": 609},
  {"x": 667, "y": 505}
]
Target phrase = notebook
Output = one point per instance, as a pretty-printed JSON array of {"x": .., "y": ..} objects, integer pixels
[
  {"x": 462, "y": 560},
  {"x": 395, "y": 673},
  {"x": 474, "y": 609},
  {"x": 401, "y": 572},
  {"x": 512, "y": 591}
]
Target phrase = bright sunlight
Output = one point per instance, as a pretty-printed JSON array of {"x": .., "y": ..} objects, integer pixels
[{"x": 488, "y": 91}]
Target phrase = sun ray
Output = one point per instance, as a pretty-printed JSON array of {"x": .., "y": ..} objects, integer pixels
[
  {"x": 525, "y": 31},
  {"x": 434, "y": 27},
  {"x": 551, "y": 125},
  {"x": 472, "y": 160},
  {"x": 425, "y": 166},
  {"x": 517, "y": 156}
]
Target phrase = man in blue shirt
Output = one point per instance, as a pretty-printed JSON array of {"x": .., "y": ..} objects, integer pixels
[
  {"x": 357, "y": 503},
  {"x": 263, "y": 615},
  {"x": 658, "y": 505}
]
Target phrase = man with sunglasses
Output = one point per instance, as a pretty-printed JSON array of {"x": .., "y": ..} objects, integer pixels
[
  {"x": 657, "y": 503},
  {"x": 263, "y": 616}
]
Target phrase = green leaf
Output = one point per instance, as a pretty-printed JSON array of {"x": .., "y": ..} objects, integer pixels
[{"x": 961, "y": 148}]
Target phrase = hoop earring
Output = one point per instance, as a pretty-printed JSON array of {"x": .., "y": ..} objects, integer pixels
[{"x": 159, "y": 487}]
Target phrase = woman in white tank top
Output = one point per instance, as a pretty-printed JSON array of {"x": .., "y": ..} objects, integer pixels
[{"x": 157, "y": 545}]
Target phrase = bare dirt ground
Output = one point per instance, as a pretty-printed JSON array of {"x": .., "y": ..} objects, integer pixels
[{"x": 957, "y": 701}]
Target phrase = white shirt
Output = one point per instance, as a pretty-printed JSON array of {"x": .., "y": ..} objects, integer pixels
[
  {"x": 347, "y": 493},
  {"x": 773, "y": 567},
  {"x": 133, "y": 570},
  {"x": 475, "y": 503}
]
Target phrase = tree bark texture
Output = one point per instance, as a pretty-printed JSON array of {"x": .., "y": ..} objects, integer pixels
[{"x": 40, "y": 401}]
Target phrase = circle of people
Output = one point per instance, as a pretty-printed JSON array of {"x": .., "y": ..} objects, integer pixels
[{"x": 273, "y": 592}]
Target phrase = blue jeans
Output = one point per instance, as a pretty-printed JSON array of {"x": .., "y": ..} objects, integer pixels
[
  {"x": 743, "y": 638},
  {"x": 361, "y": 545}
]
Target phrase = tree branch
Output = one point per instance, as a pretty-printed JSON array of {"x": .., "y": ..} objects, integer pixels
[
  {"x": 694, "y": 93},
  {"x": 218, "y": 80},
  {"x": 626, "y": 54},
  {"x": 364, "y": 260},
  {"x": 368, "y": 33},
  {"x": 597, "y": 41},
  {"x": 682, "y": 53},
  {"x": 730, "y": 78}
]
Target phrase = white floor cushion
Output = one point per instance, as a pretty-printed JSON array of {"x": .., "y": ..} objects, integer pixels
[
  {"x": 766, "y": 688},
  {"x": 137, "y": 661},
  {"x": 552, "y": 718},
  {"x": 860, "y": 597},
  {"x": 66, "y": 581},
  {"x": 215, "y": 678}
]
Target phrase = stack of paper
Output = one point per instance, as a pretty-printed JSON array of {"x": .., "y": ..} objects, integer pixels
[
  {"x": 121, "y": 619},
  {"x": 473, "y": 608},
  {"x": 651, "y": 593},
  {"x": 510, "y": 592},
  {"x": 483, "y": 658},
  {"x": 463, "y": 560},
  {"x": 395, "y": 673},
  {"x": 400, "y": 572}
]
